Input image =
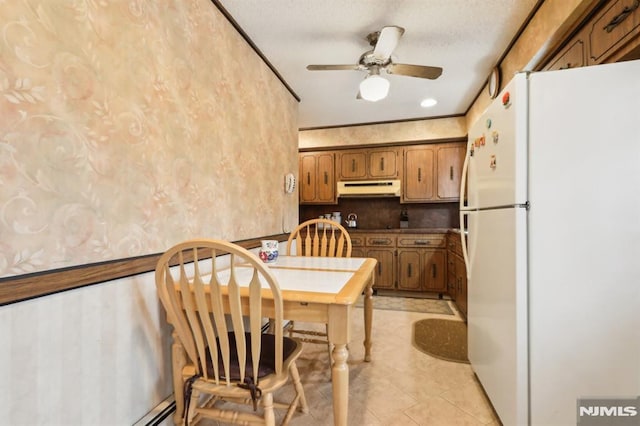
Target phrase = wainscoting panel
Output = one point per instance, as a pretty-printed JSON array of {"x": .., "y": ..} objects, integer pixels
[{"x": 92, "y": 355}]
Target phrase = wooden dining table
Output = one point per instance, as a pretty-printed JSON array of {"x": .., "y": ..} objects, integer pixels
[{"x": 317, "y": 290}]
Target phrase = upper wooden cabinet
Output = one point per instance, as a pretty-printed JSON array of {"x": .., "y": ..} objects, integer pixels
[
  {"x": 418, "y": 172},
  {"x": 574, "y": 55},
  {"x": 432, "y": 172},
  {"x": 352, "y": 165},
  {"x": 450, "y": 159},
  {"x": 368, "y": 164},
  {"x": 610, "y": 33},
  {"x": 317, "y": 178},
  {"x": 429, "y": 172},
  {"x": 612, "y": 29}
]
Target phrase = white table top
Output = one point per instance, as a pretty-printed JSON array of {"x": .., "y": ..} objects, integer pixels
[
  {"x": 323, "y": 263},
  {"x": 324, "y": 275}
]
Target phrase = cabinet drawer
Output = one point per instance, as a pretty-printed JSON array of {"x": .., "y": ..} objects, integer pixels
[
  {"x": 431, "y": 241},
  {"x": 615, "y": 25},
  {"x": 357, "y": 240},
  {"x": 381, "y": 241}
]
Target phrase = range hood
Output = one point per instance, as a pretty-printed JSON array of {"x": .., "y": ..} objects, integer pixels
[{"x": 369, "y": 188}]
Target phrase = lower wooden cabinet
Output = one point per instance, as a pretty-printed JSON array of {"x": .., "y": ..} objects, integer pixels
[
  {"x": 422, "y": 263},
  {"x": 461, "y": 285},
  {"x": 422, "y": 270},
  {"x": 410, "y": 269},
  {"x": 406, "y": 262},
  {"x": 386, "y": 267},
  {"x": 381, "y": 247},
  {"x": 456, "y": 273}
]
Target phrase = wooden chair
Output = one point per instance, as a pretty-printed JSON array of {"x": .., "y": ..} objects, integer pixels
[
  {"x": 324, "y": 238},
  {"x": 217, "y": 306},
  {"x": 320, "y": 237}
]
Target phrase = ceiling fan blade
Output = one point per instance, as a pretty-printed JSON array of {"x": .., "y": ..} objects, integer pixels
[
  {"x": 332, "y": 67},
  {"x": 420, "y": 71},
  {"x": 387, "y": 42}
]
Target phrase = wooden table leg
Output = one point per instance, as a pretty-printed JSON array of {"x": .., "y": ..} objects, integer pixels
[
  {"x": 340, "y": 384},
  {"x": 368, "y": 317},
  {"x": 178, "y": 361},
  {"x": 339, "y": 331}
]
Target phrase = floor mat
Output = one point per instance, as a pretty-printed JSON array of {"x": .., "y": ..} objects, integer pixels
[
  {"x": 444, "y": 339},
  {"x": 413, "y": 304}
]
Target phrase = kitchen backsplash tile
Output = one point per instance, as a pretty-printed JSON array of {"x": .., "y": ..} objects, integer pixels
[{"x": 383, "y": 213}]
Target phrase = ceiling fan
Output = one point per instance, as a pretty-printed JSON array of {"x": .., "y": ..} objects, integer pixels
[{"x": 374, "y": 87}]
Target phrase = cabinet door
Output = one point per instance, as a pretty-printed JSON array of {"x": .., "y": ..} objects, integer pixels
[
  {"x": 307, "y": 178},
  {"x": 317, "y": 180},
  {"x": 383, "y": 164},
  {"x": 452, "y": 279},
  {"x": 461, "y": 285},
  {"x": 612, "y": 29},
  {"x": 450, "y": 160},
  {"x": 358, "y": 252},
  {"x": 353, "y": 165},
  {"x": 326, "y": 188},
  {"x": 409, "y": 269},
  {"x": 385, "y": 271},
  {"x": 572, "y": 56},
  {"x": 418, "y": 174},
  {"x": 434, "y": 271}
]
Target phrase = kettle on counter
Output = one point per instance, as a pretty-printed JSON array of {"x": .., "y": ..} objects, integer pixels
[{"x": 352, "y": 220}]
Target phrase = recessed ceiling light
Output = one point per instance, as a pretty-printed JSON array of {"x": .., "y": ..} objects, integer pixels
[{"x": 428, "y": 102}]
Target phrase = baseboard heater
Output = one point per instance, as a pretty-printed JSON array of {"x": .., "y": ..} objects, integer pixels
[{"x": 159, "y": 414}]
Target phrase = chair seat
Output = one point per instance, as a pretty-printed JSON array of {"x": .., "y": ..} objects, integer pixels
[{"x": 266, "y": 365}]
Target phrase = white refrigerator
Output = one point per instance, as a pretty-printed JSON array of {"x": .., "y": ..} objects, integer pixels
[{"x": 551, "y": 225}]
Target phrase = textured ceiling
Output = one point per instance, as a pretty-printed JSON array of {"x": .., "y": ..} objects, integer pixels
[{"x": 464, "y": 37}]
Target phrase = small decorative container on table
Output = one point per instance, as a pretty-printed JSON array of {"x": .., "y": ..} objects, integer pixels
[{"x": 268, "y": 250}]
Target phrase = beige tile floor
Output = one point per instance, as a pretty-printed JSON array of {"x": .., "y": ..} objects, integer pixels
[{"x": 400, "y": 386}]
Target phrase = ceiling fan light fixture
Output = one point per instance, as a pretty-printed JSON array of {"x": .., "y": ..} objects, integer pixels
[{"x": 374, "y": 88}]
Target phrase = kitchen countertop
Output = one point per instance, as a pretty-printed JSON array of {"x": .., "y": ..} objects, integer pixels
[{"x": 403, "y": 230}]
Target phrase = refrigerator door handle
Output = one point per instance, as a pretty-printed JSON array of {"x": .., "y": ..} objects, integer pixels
[
  {"x": 463, "y": 240},
  {"x": 463, "y": 213},
  {"x": 463, "y": 181}
]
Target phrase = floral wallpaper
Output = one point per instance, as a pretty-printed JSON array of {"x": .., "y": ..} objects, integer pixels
[{"x": 128, "y": 126}]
